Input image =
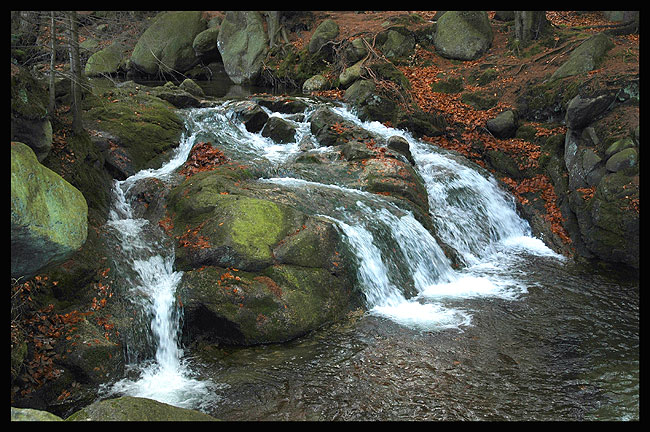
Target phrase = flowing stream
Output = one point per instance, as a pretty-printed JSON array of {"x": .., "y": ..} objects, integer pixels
[{"x": 516, "y": 333}]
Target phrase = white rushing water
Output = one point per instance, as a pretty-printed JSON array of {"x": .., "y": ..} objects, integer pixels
[
  {"x": 152, "y": 288},
  {"x": 472, "y": 215}
]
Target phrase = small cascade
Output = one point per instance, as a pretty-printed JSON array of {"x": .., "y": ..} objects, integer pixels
[{"x": 145, "y": 259}]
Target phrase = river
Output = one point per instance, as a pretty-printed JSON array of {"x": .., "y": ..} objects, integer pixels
[{"x": 518, "y": 333}]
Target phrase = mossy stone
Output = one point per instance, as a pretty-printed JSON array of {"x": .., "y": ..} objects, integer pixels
[
  {"x": 49, "y": 216},
  {"x": 129, "y": 408}
]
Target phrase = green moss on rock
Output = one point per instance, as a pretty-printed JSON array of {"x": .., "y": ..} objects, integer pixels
[
  {"x": 128, "y": 408},
  {"x": 145, "y": 125},
  {"x": 49, "y": 216}
]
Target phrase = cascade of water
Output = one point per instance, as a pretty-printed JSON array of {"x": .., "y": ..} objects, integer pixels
[
  {"x": 472, "y": 216},
  {"x": 147, "y": 264}
]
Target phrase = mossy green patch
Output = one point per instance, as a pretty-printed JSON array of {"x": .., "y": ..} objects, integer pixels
[
  {"x": 146, "y": 126},
  {"x": 257, "y": 226}
]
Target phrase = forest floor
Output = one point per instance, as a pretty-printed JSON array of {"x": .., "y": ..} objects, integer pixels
[{"x": 516, "y": 69}]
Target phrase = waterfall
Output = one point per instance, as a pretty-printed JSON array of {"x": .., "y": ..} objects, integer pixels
[
  {"x": 472, "y": 215},
  {"x": 402, "y": 270},
  {"x": 145, "y": 258}
]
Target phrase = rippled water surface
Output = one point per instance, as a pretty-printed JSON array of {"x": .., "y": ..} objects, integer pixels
[{"x": 567, "y": 350}]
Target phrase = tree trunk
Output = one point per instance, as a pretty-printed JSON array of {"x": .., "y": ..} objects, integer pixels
[
  {"x": 530, "y": 25},
  {"x": 272, "y": 26},
  {"x": 75, "y": 70},
  {"x": 51, "y": 105}
]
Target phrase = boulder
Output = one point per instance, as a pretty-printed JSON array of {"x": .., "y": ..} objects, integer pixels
[
  {"x": 279, "y": 130},
  {"x": 243, "y": 45},
  {"x": 315, "y": 83},
  {"x": 205, "y": 43},
  {"x": 28, "y": 414},
  {"x": 327, "y": 31},
  {"x": 624, "y": 159},
  {"x": 504, "y": 125},
  {"x": 107, "y": 61},
  {"x": 371, "y": 105},
  {"x": 401, "y": 145},
  {"x": 355, "y": 51},
  {"x": 129, "y": 408},
  {"x": 350, "y": 74},
  {"x": 251, "y": 114},
  {"x": 396, "y": 43},
  {"x": 463, "y": 35},
  {"x": 609, "y": 227},
  {"x": 603, "y": 180},
  {"x": 619, "y": 145},
  {"x": 177, "y": 96},
  {"x": 49, "y": 217},
  {"x": 586, "y": 57},
  {"x": 192, "y": 88},
  {"x": 331, "y": 129},
  {"x": 281, "y": 104},
  {"x": 157, "y": 130},
  {"x": 582, "y": 110},
  {"x": 255, "y": 269},
  {"x": 29, "y": 121},
  {"x": 166, "y": 46}
]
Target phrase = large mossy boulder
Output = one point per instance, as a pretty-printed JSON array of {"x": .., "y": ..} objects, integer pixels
[
  {"x": 243, "y": 45},
  {"x": 327, "y": 31},
  {"x": 49, "y": 216},
  {"x": 586, "y": 57},
  {"x": 129, "y": 408},
  {"x": 608, "y": 222},
  {"x": 138, "y": 127},
  {"x": 256, "y": 270},
  {"x": 396, "y": 43},
  {"x": 108, "y": 61},
  {"x": 602, "y": 163},
  {"x": 205, "y": 43},
  {"x": 166, "y": 46},
  {"x": 29, "y": 117},
  {"x": 463, "y": 35}
]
